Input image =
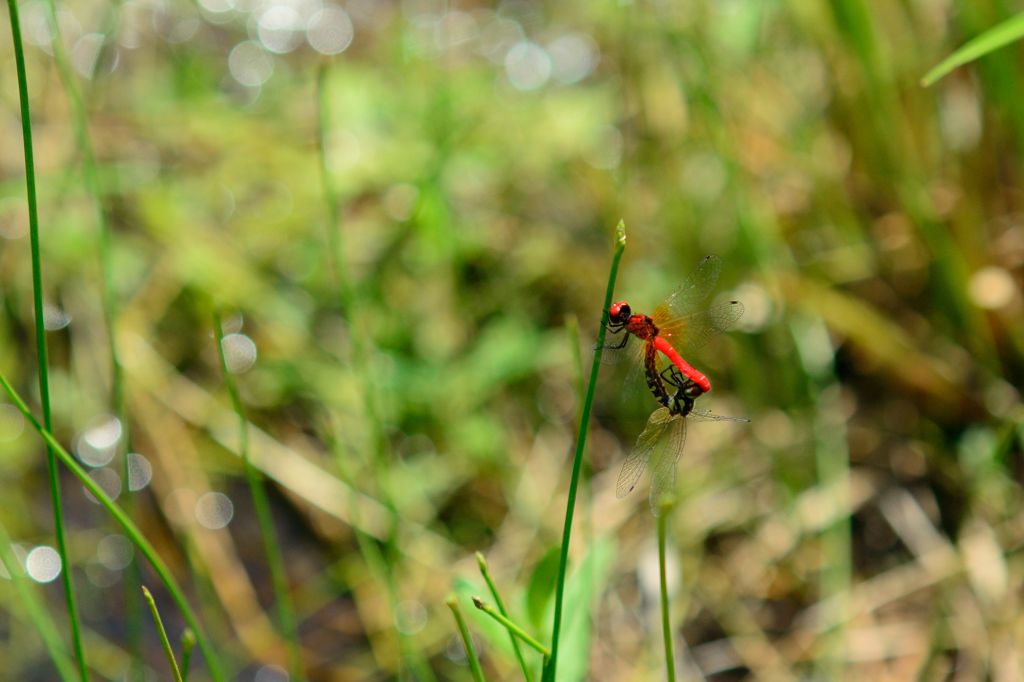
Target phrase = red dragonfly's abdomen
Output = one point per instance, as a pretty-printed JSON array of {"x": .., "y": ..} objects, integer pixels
[{"x": 665, "y": 347}]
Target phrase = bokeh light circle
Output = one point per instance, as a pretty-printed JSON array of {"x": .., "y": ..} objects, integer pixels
[
  {"x": 239, "y": 352},
  {"x": 527, "y": 66},
  {"x": 280, "y": 29},
  {"x": 271, "y": 673},
  {"x": 115, "y": 552},
  {"x": 43, "y": 564},
  {"x": 410, "y": 617},
  {"x": 140, "y": 471},
  {"x": 250, "y": 64},
  {"x": 214, "y": 510},
  {"x": 330, "y": 31},
  {"x": 108, "y": 481}
]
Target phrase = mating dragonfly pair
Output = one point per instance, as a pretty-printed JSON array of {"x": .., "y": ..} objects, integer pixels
[{"x": 674, "y": 329}]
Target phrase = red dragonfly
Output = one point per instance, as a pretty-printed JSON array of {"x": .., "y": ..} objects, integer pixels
[
  {"x": 674, "y": 328},
  {"x": 672, "y": 417}
]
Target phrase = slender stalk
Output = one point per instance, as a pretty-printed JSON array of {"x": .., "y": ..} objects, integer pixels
[
  {"x": 588, "y": 404},
  {"x": 278, "y": 574},
  {"x": 501, "y": 607},
  {"x": 474, "y": 662},
  {"x": 80, "y": 125},
  {"x": 36, "y": 609},
  {"x": 670, "y": 661},
  {"x": 188, "y": 642},
  {"x": 168, "y": 652},
  {"x": 509, "y": 625},
  {"x": 44, "y": 374},
  {"x": 129, "y": 528}
]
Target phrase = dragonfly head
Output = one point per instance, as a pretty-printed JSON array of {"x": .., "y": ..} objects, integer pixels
[{"x": 620, "y": 313}]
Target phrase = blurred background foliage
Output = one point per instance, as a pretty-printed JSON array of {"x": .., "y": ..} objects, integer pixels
[{"x": 866, "y": 524}]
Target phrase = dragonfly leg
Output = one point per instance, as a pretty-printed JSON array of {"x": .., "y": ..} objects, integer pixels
[
  {"x": 673, "y": 376},
  {"x": 625, "y": 339}
]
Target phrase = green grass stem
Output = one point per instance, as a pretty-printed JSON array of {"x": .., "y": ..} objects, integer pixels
[
  {"x": 467, "y": 641},
  {"x": 501, "y": 607},
  {"x": 36, "y": 610},
  {"x": 44, "y": 374},
  {"x": 168, "y": 651},
  {"x": 588, "y": 404},
  {"x": 188, "y": 642},
  {"x": 130, "y": 529},
  {"x": 666, "y": 625},
  {"x": 258, "y": 489},
  {"x": 510, "y": 626}
]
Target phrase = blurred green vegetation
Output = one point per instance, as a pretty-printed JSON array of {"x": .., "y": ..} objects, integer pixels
[{"x": 866, "y": 524}]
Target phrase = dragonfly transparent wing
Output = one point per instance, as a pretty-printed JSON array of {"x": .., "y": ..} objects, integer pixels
[
  {"x": 706, "y": 416},
  {"x": 687, "y": 334},
  {"x": 636, "y": 377},
  {"x": 637, "y": 460},
  {"x": 694, "y": 289},
  {"x": 663, "y": 482}
]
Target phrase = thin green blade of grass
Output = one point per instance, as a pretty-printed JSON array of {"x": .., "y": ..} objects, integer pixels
[
  {"x": 134, "y": 534},
  {"x": 996, "y": 37},
  {"x": 510, "y": 626},
  {"x": 467, "y": 641},
  {"x": 257, "y": 487},
  {"x": 501, "y": 607},
  {"x": 168, "y": 651},
  {"x": 666, "y": 623},
  {"x": 36, "y": 610},
  {"x": 40, "y": 328},
  {"x": 620, "y": 247},
  {"x": 188, "y": 642}
]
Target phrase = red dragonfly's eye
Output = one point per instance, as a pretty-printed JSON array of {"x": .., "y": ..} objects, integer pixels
[{"x": 619, "y": 310}]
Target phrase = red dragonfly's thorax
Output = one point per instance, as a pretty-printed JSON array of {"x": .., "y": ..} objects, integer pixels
[{"x": 642, "y": 327}]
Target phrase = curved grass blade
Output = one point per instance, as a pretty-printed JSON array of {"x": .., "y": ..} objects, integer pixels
[
  {"x": 991, "y": 40},
  {"x": 130, "y": 529}
]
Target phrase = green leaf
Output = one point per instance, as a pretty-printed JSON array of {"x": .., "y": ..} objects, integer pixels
[
  {"x": 542, "y": 586},
  {"x": 989, "y": 41}
]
